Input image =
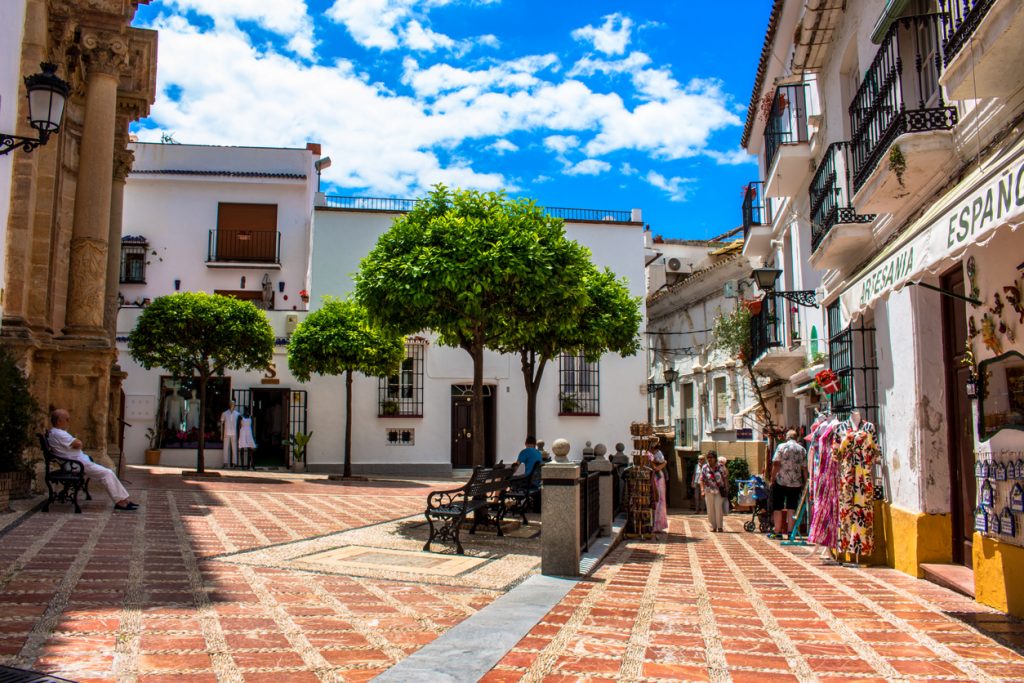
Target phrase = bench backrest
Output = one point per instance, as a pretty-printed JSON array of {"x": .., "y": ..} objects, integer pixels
[
  {"x": 488, "y": 480},
  {"x": 54, "y": 462}
]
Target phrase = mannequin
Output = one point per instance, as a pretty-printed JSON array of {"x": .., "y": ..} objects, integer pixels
[
  {"x": 174, "y": 409},
  {"x": 229, "y": 434},
  {"x": 245, "y": 441},
  {"x": 192, "y": 417},
  {"x": 857, "y": 453}
]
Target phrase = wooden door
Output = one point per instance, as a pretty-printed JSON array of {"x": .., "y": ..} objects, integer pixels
[
  {"x": 462, "y": 432},
  {"x": 958, "y": 409}
]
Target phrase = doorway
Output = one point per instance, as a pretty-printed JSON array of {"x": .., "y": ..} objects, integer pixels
[
  {"x": 269, "y": 411},
  {"x": 462, "y": 426},
  {"x": 958, "y": 410}
]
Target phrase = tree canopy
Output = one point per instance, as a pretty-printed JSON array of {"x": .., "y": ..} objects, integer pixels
[
  {"x": 340, "y": 339},
  {"x": 194, "y": 334},
  {"x": 17, "y": 410},
  {"x": 455, "y": 265}
]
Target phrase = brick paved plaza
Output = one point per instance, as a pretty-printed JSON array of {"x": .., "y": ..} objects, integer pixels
[{"x": 194, "y": 587}]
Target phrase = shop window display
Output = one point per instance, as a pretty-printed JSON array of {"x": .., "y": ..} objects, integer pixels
[
  {"x": 1002, "y": 394},
  {"x": 180, "y": 409}
]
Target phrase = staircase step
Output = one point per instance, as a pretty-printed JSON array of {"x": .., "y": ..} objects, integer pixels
[{"x": 952, "y": 576}]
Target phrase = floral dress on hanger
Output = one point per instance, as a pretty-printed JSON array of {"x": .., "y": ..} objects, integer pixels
[
  {"x": 825, "y": 512},
  {"x": 857, "y": 452}
]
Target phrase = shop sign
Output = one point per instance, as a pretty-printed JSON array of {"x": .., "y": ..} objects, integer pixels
[
  {"x": 745, "y": 434},
  {"x": 1000, "y": 199}
]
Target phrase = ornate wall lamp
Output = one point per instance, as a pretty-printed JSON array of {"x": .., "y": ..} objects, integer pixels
[
  {"x": 47, "y": 94},
  {"x": 765, "y": 279},
  {"x": 671, "y": 375}
]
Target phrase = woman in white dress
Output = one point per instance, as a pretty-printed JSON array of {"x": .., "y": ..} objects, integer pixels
[{"x": 245, "y": 440}]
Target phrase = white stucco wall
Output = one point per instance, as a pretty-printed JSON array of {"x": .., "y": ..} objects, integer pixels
[
  {"x": 342, "y": 238},
  {"x": 12, "y": 27}
]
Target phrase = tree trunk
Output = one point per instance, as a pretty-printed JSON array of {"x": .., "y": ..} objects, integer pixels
[
  {"x": 532, "y": 373},
  {"x": 477, "y": 351},
  {"x": 347, "y": 470},
  {"x": 200, "y": 459},
  {"x": 764, "y": 406}
]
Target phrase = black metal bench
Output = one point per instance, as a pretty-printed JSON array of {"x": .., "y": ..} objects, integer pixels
[
  {"x": 522, "y": 494},
  {"x": 447, "y": 510},
  {"x": 64, "y": 478}
]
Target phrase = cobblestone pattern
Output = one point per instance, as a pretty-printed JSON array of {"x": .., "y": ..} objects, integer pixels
[
  {"x": 107, "y": 596},
  {"x": 736, "y": 607}
]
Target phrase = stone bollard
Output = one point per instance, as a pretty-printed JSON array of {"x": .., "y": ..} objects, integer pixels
[
  {"x": 560, "y": 519},
  {"x": 605, "y": 470}
]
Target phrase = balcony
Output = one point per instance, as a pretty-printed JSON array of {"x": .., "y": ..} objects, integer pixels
[
  {"x": 787, "y": 152},
  {"x": 900, "y": 122},
  {"x": 757, "y": 221},
  {"x": 774, "y": 338},
  {"x": 983, "y": 47},
  {"x": 243, "y": 248},
  {"x": 839, "y": 234}
]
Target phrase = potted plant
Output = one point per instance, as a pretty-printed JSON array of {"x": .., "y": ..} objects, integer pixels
[
  {"x": 304, "y": 295},
  {"x": 389, "y": 407},
  {"x": 17, "y": 410},
  {"x": 569, "y": 403},
  {"x": 298, "y": 443},
  {"x": 153, "y": 435}
]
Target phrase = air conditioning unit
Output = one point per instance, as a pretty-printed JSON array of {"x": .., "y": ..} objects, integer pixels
[
  {"x": 291, "y": 321},
  {"x": 675, "y": 265},
  {"x": 729, "y": 289}
]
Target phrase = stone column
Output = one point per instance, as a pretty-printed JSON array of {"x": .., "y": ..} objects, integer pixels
[
  {"x": 123, "y": 159},
  {"x": 104, "y": 57},
  {"x": 560, "y": 519},
  {"x": 606, "y": 514}
]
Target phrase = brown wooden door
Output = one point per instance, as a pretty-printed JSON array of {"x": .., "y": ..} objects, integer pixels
[
  {"x": 247, "y": 232},
  {"x": 958, "y": 408},
  {"x": 462, "y": 432}
]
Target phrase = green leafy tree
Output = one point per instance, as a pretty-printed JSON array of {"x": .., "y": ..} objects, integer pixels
[
  {"x": 731, "y": 334},
  {"x": 340, "y": 339},
  {"x": 17, "y": 410},
  {"x": 456, "y": 264},
  {"x": 584, "y": 310},
  {"x": 194, "y": 334}
]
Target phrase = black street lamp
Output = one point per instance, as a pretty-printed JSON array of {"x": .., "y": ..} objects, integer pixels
[
  {"x": 766, "y": 278},
  {"x": 671, "y": 375},
  {"x": 47, "y": 95}
]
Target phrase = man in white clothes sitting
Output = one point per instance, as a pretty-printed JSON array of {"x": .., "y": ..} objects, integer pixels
[{"x": 66, "y": 446}]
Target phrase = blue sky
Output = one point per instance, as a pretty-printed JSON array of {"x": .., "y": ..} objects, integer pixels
[{"x": 575, "y": 103}]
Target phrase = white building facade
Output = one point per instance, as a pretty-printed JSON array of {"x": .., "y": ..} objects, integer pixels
[
  {"x": 228, "y": 220},
  {"x": 418, "y": 423},
  {"x": 892, "y": 131}
]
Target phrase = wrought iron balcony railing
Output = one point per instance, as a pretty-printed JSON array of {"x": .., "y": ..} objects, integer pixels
[
  {"x": 830, "y": 194},
  {"x": 787, "y": 120},
  {"x": 393, "y": 205},
  {"x": 757, "y": 212},
  {"x": 244, "y": 246},
  {"x": 776, "y": 325},
  {"x": 960, "y": 19},
  {"x": 900, "y": 93}
]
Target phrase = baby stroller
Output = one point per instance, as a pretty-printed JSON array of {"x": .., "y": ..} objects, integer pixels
[{"x": 754, "y": 492}]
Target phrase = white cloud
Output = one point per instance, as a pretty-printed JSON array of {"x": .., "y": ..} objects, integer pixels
[
  {"x": 732, "y": 158},
  {"x": 390, "y": 24},
  {"x": 503, "y": 146},
  {"x": 611, "y": 38},
  {"x": 674, "y": 187},
  {"x": 588, "y": 167},
  {"x": 287, "y": 18},
  {"x": 561, "y": 143},
  {"x": 627, "y": 169}
]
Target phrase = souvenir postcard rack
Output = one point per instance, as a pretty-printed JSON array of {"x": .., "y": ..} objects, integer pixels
[{"x": 639, "y": 488}]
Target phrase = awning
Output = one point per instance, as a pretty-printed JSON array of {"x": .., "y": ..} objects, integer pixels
[{"x": 989, "y": 199}]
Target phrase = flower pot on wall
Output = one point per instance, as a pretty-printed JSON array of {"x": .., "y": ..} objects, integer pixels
[{"x": 152, "y": 457}]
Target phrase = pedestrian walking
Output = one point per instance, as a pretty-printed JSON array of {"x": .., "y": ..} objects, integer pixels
[
  {"x": 714, "y": 484},
  {"x": 698, "y": 495},
  {"x": 789, "y": 472},
  {"x": 657, "y": 462}
]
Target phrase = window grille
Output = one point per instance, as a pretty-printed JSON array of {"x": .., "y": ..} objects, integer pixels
[
  {"x": 578, "y": 386},
  {"x": 852, "y": 356},
  {"x": 401, "y": 394},
  {"x": 133, "y": 259}
]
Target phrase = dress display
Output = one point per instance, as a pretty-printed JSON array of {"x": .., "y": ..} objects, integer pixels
[
  {"x": 245, "y": 439},
  {"x": 825, "y": 488},
  {"x": 857, "y": 453}
]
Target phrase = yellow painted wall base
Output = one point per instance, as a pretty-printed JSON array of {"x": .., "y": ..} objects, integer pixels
[
  {"x": 998, "y": 568},
  {"x": 915, "y": 538}
]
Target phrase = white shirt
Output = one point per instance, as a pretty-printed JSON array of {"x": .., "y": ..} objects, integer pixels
[
  {"x": 229, "y": 418},
  {"x": 60, "y": 442}
]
